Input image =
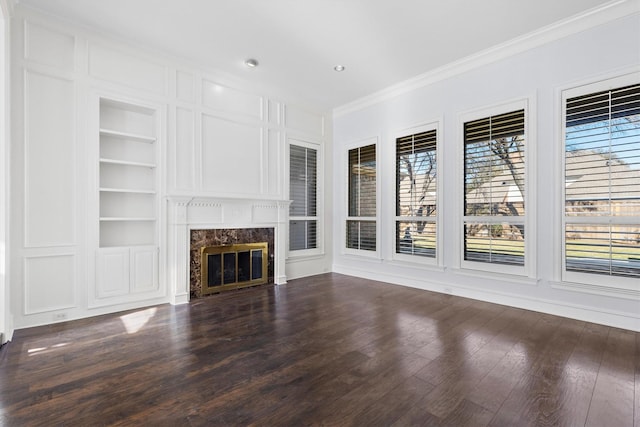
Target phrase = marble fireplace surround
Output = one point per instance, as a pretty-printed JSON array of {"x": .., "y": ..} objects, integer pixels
[
  {"x": 225, "y": 236},
  {"x": 213, "y": 213}
]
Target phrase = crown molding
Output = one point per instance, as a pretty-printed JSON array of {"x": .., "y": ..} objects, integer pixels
[{"x": 591, "y": 18}]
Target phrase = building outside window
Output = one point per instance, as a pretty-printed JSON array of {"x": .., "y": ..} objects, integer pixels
[
  {"x": 495, "y": 190},
  {"x": 416, "y": 194},
  {"x": 601, "y": 218}
]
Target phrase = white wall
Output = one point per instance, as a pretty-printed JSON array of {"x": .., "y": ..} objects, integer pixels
[
  {"x": 5, "y": 309},
  {"x": 212, "y": 127},
  {"x": 537, "y": 74}
]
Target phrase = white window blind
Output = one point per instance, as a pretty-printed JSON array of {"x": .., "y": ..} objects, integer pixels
[
  {"x": 416, "y": 194},
  {"x": 361, "y": 219},
  {"x": 602, "y": 182},
  {"x": 303, "y": 220},
  {"x": 494, "y": 189}
]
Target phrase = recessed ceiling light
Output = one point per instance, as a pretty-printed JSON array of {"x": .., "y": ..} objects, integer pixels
[
  {"x": 339, "y": 68},
  {"x": 251, "y": 63}
]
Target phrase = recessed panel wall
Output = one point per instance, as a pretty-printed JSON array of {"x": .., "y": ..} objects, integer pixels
[
  {"x": 273, "y": 163},
  {"x": 304, "y": 121},
  {"x": 231, "y": 159},
  {"x": 49, "y": 152},
  {"x": 119, "y": 67},
  {"x": 184, "y": 149},
  {"x": 144, "y": 269},
  {"x": 48, "y": 47},
  {"x": 49, "y": 283},
  {"x": 185, "y": 86},
  {"x": 112, "y": 272},
  {"x": 230, "y": 100},
  {"x": 103, "y": 134},
  {"x": 274, "y": 112}
]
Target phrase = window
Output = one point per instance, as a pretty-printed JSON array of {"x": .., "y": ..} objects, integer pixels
[
  {"x": 303, "y": 219},
  {"x": 416, "y": 194},
  {"x": 601, "y": 221},
  {"x": 361, "y": 219},
  {"x": 494, "y": 189}
]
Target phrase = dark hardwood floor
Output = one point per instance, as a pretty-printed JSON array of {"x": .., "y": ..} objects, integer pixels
[{"x": 325, "y": 350}]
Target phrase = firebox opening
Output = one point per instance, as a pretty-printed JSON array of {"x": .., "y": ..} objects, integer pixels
[{"x": 233, "y": 266}]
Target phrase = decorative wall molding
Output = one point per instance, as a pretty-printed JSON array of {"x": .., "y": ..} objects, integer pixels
[
  {"x": 119, "y": 66},
  {"x": 58, "y": 273},
  {"x": 246, "y": 120},
  {"x": 49, "y": 47},
  {"x": 49, "y": 150}
]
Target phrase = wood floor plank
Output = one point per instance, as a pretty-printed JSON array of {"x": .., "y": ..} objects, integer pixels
[
  {"x": 325, "y": 350},
  {"x": 402, "y": 398},
  {"x": 613, "y": 396},
  {"x": 379, "y": 377},
  {"x": 461, "y": 379},
  {"x": 579, "y": 377},
  {"x": 534, "y": 398}
]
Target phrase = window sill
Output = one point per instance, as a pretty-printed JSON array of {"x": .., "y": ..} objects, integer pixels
[
  {"x": 359, "y": 254},
  {"x": 503, "y": 277},
  {"x": 428, "y": 264},
  {"x": 609, "y": 291},
  {"x": 305, "y": 257}
]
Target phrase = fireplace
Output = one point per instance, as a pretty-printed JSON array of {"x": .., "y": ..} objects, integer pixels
[
  {"x": 227, "y": 258},
  {"x": 233, "y": 267},
  {"x": 197, "y": 222}
]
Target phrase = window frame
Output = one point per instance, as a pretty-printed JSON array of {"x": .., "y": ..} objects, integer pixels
[
  {"x": 412, "y": 258},
  {"x": 361, "y": 252},
  {"x": 319, "y": 217},
  {"x": 529, "y": 221},
  {"x": 575, "y": 279}
]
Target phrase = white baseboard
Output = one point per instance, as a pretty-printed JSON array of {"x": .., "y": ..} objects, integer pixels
[
  {"x": 7, "y": 336},
  {"x": 180, "y": 299}
]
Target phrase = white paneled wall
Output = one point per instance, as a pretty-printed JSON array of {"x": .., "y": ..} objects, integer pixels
[
  {"x": 184, "y": 150},
  {"x": 228, "y": 100},
  {"x": 218, "y": 138},
  {"x": 49, "y": 283},
  {"x": 47, "y": 47},
  {"x": 49, "y": 160},
  {"x": 127, "y": 69},
  {"x": 6, "y": 320},
  {"x": 303, "y": 121},
  {"x": 231, "y": 158}
]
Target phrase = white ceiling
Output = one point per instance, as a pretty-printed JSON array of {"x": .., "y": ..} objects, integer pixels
[{"x": 298, "y": 42}]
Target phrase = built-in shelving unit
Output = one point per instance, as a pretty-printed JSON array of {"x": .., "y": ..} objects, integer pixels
[
  {"x": 128, "y": 206},
  {"x": 128, "y": 174}
]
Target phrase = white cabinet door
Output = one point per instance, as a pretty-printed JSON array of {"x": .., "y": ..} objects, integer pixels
[
  {"x": 144, "y": 271},
  {"x": 112, "y": 272}
]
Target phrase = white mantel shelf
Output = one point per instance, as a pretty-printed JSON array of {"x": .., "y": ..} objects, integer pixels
[{"x": 189, "y": 213}]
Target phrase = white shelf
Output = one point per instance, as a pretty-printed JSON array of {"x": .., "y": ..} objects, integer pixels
[
  {"x": 116, "y": 219},
  {"x": 127, "y": 163},
  {"x": 127, "y": 135},
  {"x": 128, "y": 175},
  {"x": 126, "y": 190}
]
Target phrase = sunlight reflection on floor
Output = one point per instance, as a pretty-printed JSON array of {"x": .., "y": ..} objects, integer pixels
[
  {"x": 133, "y": 322},
  {"x": 41, "y": 350}
]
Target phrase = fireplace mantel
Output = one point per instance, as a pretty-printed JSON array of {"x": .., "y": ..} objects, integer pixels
[{"x": 187, "y": 213}]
